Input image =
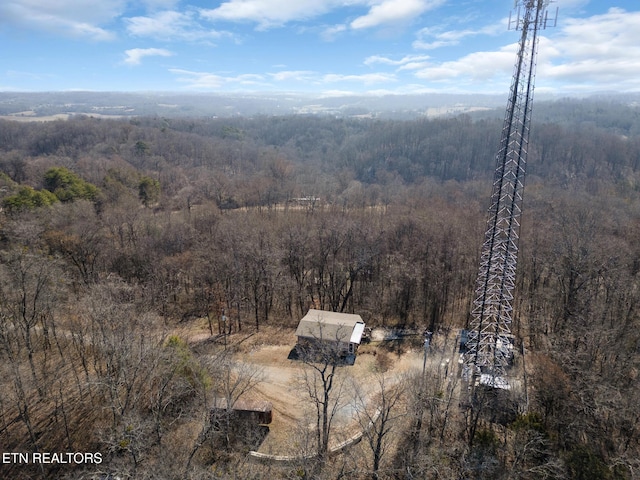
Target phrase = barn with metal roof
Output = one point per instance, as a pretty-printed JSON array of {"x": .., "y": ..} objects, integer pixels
[{"x": 341, "y": 332}]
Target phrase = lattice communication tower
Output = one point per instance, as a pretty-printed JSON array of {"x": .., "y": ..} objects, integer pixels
[{"x": 490, "y": 343}]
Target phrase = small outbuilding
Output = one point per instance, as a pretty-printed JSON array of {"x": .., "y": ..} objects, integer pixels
[
  {"x": 342, "y": 332},
  {"x": 257, "y": 412}
]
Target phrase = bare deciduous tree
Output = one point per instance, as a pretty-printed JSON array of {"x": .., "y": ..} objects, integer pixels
[
  {"x": 323, "y": 384},
  {"x": 378, "y": 410}
]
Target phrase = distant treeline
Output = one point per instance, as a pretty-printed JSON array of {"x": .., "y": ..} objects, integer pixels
[{"x": 266, "y": 160}]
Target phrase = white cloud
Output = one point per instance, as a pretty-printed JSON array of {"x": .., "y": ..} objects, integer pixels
[
  {"x": 165, "y": 23},
  {"x": 476, "y": 67},
  {"x": 135, "y": 55},
  {"x": 212, "y": 81},
  {"x": 170, "y": 25},
  {"x": 367, "y": 78},
  {"x": 579, "y": 55},
  {"x": 428, "y": 39},
  {"x": 274, "y": 13},
  {"x": 76, "y": 29},
  {"x": 330, "y": 33},
  {"x": 74, "y": 18},
  {"x": 414, "y": 65},
  {"x": 406, "y": 60},
  {"x": 270, "y": 13},
  {"x": 432, "y": 38},
  {"x": 599, "y": 50},
  {"x": 394, "y": 11},
  {"x": 295, "y": 75}
]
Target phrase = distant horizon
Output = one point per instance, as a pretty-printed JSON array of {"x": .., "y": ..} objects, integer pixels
[
  {"x": 318, "y": 94},
  {"x": 48, "y": 106}
]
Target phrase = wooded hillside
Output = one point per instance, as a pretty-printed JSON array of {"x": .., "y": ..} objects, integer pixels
[{"x": 115, "y": 234}]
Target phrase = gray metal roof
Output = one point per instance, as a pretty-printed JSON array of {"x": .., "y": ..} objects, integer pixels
[{"x": 323, "y": 325}]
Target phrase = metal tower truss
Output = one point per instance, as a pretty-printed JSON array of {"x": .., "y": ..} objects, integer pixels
[{"x": 490, "y": 343}]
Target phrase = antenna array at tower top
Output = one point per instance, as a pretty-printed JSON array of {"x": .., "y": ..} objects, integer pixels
[{"x": 517, "y": 17}]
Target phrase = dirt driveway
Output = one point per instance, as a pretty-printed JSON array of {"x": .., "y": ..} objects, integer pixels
[{"x": 291, "y": 432}]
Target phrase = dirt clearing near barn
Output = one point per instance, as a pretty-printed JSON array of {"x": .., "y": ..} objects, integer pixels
[{"x": 286, "y": 386}]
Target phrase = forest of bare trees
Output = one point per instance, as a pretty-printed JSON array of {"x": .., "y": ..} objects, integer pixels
[{"x": 116, "y": 235}]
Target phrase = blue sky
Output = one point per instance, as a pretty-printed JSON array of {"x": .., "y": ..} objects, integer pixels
[{"x": 322, "y": 46}]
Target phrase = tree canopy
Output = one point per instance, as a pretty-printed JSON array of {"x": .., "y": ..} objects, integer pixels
[
  {"x": 28, "y": 198},
  {"x": 67, "y": 186}
]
